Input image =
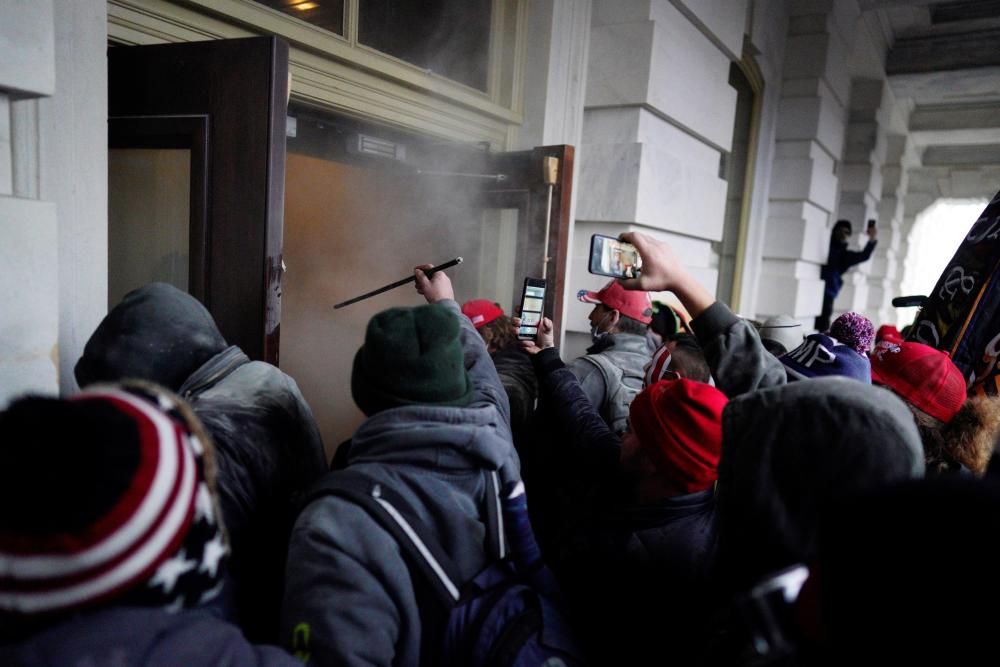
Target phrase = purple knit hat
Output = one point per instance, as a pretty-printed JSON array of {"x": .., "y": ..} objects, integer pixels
[{"x": 855, "y": 331}]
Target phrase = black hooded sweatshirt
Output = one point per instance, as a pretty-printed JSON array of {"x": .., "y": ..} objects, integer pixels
[{"x": 267, "y": 445}]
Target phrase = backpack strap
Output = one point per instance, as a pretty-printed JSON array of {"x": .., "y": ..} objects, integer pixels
[
  {"x": 398, "y": 518},
  {"x": 496, "y": 536}
]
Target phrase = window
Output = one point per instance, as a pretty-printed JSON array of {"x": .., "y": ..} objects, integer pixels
[
  {"x": 326, "y": 14},
  {"x": 448, "y": 37}
]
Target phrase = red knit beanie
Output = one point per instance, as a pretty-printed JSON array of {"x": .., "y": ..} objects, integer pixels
[{"x": 679, "y": 426}]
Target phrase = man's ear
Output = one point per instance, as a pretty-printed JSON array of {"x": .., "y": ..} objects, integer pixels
[{"x": 613, "y": 317}]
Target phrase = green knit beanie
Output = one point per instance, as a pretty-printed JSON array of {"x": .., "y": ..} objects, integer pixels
[{"x": 411, "y": 356}]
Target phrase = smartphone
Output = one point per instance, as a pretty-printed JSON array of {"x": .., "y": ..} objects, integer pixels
[
  {"x": 532, "y": 306},
  {"x": 871, "y": 224},
  {"x": 611, "y": 257}
]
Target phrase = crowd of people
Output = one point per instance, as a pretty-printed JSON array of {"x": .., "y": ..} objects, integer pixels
[{"x": 700, "y": 490}]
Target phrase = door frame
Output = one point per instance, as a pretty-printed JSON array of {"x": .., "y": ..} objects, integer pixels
[{"x": 188, "y": 132}]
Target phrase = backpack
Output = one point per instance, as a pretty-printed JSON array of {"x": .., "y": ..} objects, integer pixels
[
  {"x": 508, "y": 615},
  {"x": 622, "y": 382}
]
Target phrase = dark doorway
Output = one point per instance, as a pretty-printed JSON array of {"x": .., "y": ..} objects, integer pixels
[{"x": 366, "y": 203}]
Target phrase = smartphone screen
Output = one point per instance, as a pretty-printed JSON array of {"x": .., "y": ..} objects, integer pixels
[
  {"x": 611, "y": 257},
  {"x": 532, "y": 306},
  {"x": 871, "y": 224}
]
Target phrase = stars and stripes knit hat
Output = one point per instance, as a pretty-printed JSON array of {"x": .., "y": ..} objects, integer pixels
[
  {"x": 106, "y": 497},
  {"x": 657, "y": 367}
]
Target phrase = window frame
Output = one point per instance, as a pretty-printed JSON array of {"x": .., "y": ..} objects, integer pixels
[{"x": 336, "y": 73}]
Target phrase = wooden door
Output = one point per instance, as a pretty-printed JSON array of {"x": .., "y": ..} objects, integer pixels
[
  {"x": 539, "y": 183},
  {"x": 223, "y": 105}
]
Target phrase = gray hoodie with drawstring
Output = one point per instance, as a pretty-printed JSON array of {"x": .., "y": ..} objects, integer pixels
[{"x": 349, "y": 598}]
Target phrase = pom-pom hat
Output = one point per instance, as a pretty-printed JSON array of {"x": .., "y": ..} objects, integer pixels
[
  {"x": 113, "y": 497},
  {"x": 855, "y": 331}
]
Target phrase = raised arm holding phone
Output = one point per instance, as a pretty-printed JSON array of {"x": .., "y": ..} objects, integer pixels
[{"x": 732, "y": 347}]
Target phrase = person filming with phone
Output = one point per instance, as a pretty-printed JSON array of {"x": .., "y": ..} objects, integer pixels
[
  {"x": 611, "y": 373},
  {"x": 838, "y": 261}
]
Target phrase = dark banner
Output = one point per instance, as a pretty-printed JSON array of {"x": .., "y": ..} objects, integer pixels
[{"x": 962, "y": 314}]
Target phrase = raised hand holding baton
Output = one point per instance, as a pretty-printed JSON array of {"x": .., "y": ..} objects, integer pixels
[{"x": 399, "y": 283}]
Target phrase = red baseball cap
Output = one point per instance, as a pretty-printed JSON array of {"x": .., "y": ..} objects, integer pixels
[
  {"x": 888, "y": 332},
  {"x": 923, "y": 376},
  {"x": 631, "y": 303},
  {"x": 481, "y": 311}
]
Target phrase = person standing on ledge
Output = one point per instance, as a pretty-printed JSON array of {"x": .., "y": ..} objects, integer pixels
[{"x": 840, "y": 260}]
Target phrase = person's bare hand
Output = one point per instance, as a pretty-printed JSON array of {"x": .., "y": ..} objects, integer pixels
[
  {"x": 543, "y": 339},
  {"x": 435, "y": 288},
  {"x": 872, "y": 232},
  {"x": 661, "y": 269}
]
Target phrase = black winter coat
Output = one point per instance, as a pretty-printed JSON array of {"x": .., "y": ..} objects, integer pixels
[
  {"x": 518, "y": 378},
  {"x": 839, "y": 260},
  {"x": 635, "y": 572},
  {"x": 267, "y": 445}
]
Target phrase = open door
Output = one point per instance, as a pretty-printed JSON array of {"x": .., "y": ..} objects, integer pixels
[
  {"x": 196, "y": 178},
  {"x": 538, "y": 184},
  {"x": 365, "y": 204}
]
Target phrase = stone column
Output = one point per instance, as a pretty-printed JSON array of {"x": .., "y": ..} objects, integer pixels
[
  {"x": 658, "y": 116},
  {"x": 558, "y": 42},
  {"x": 861, "y": 183},
  {"x": 812, "y": 120},
  {"x": 886, "y": 271}
]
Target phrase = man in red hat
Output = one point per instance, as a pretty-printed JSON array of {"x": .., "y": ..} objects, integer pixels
[{"x": 612, "y": 371}]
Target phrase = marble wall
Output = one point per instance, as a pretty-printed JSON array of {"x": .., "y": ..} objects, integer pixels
[
  {"x": 53, "y": 189},
  {"x": 810, "y": 140},
  {"x": 29, "y": 279},
  {"x": 658, "y": 118}
]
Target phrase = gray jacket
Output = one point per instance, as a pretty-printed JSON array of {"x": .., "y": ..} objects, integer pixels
[
  {"x": 738, "y": 360},
  {"x": 790, "y": 453},
  {"x": 267, "y": 445},
  {"x": 611, "y": 375},
  {"x": 349, "y": 598}
]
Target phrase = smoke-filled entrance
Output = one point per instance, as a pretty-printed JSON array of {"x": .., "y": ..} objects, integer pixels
[{"x": 363, "y": 206}]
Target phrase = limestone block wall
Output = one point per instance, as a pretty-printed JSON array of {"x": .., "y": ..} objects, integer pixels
[
  {"x": 885, "y": 271},
  {"x": 53, "y": 189},
  {"x": 810, "y": 140},
  {"x": 658, "y": 116},
  {"x": 768, "y": 38},
  {"x": 74, "y": 173},
  {"x": 29, "y": 281},
  {"x": 861, "y": 184}
]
